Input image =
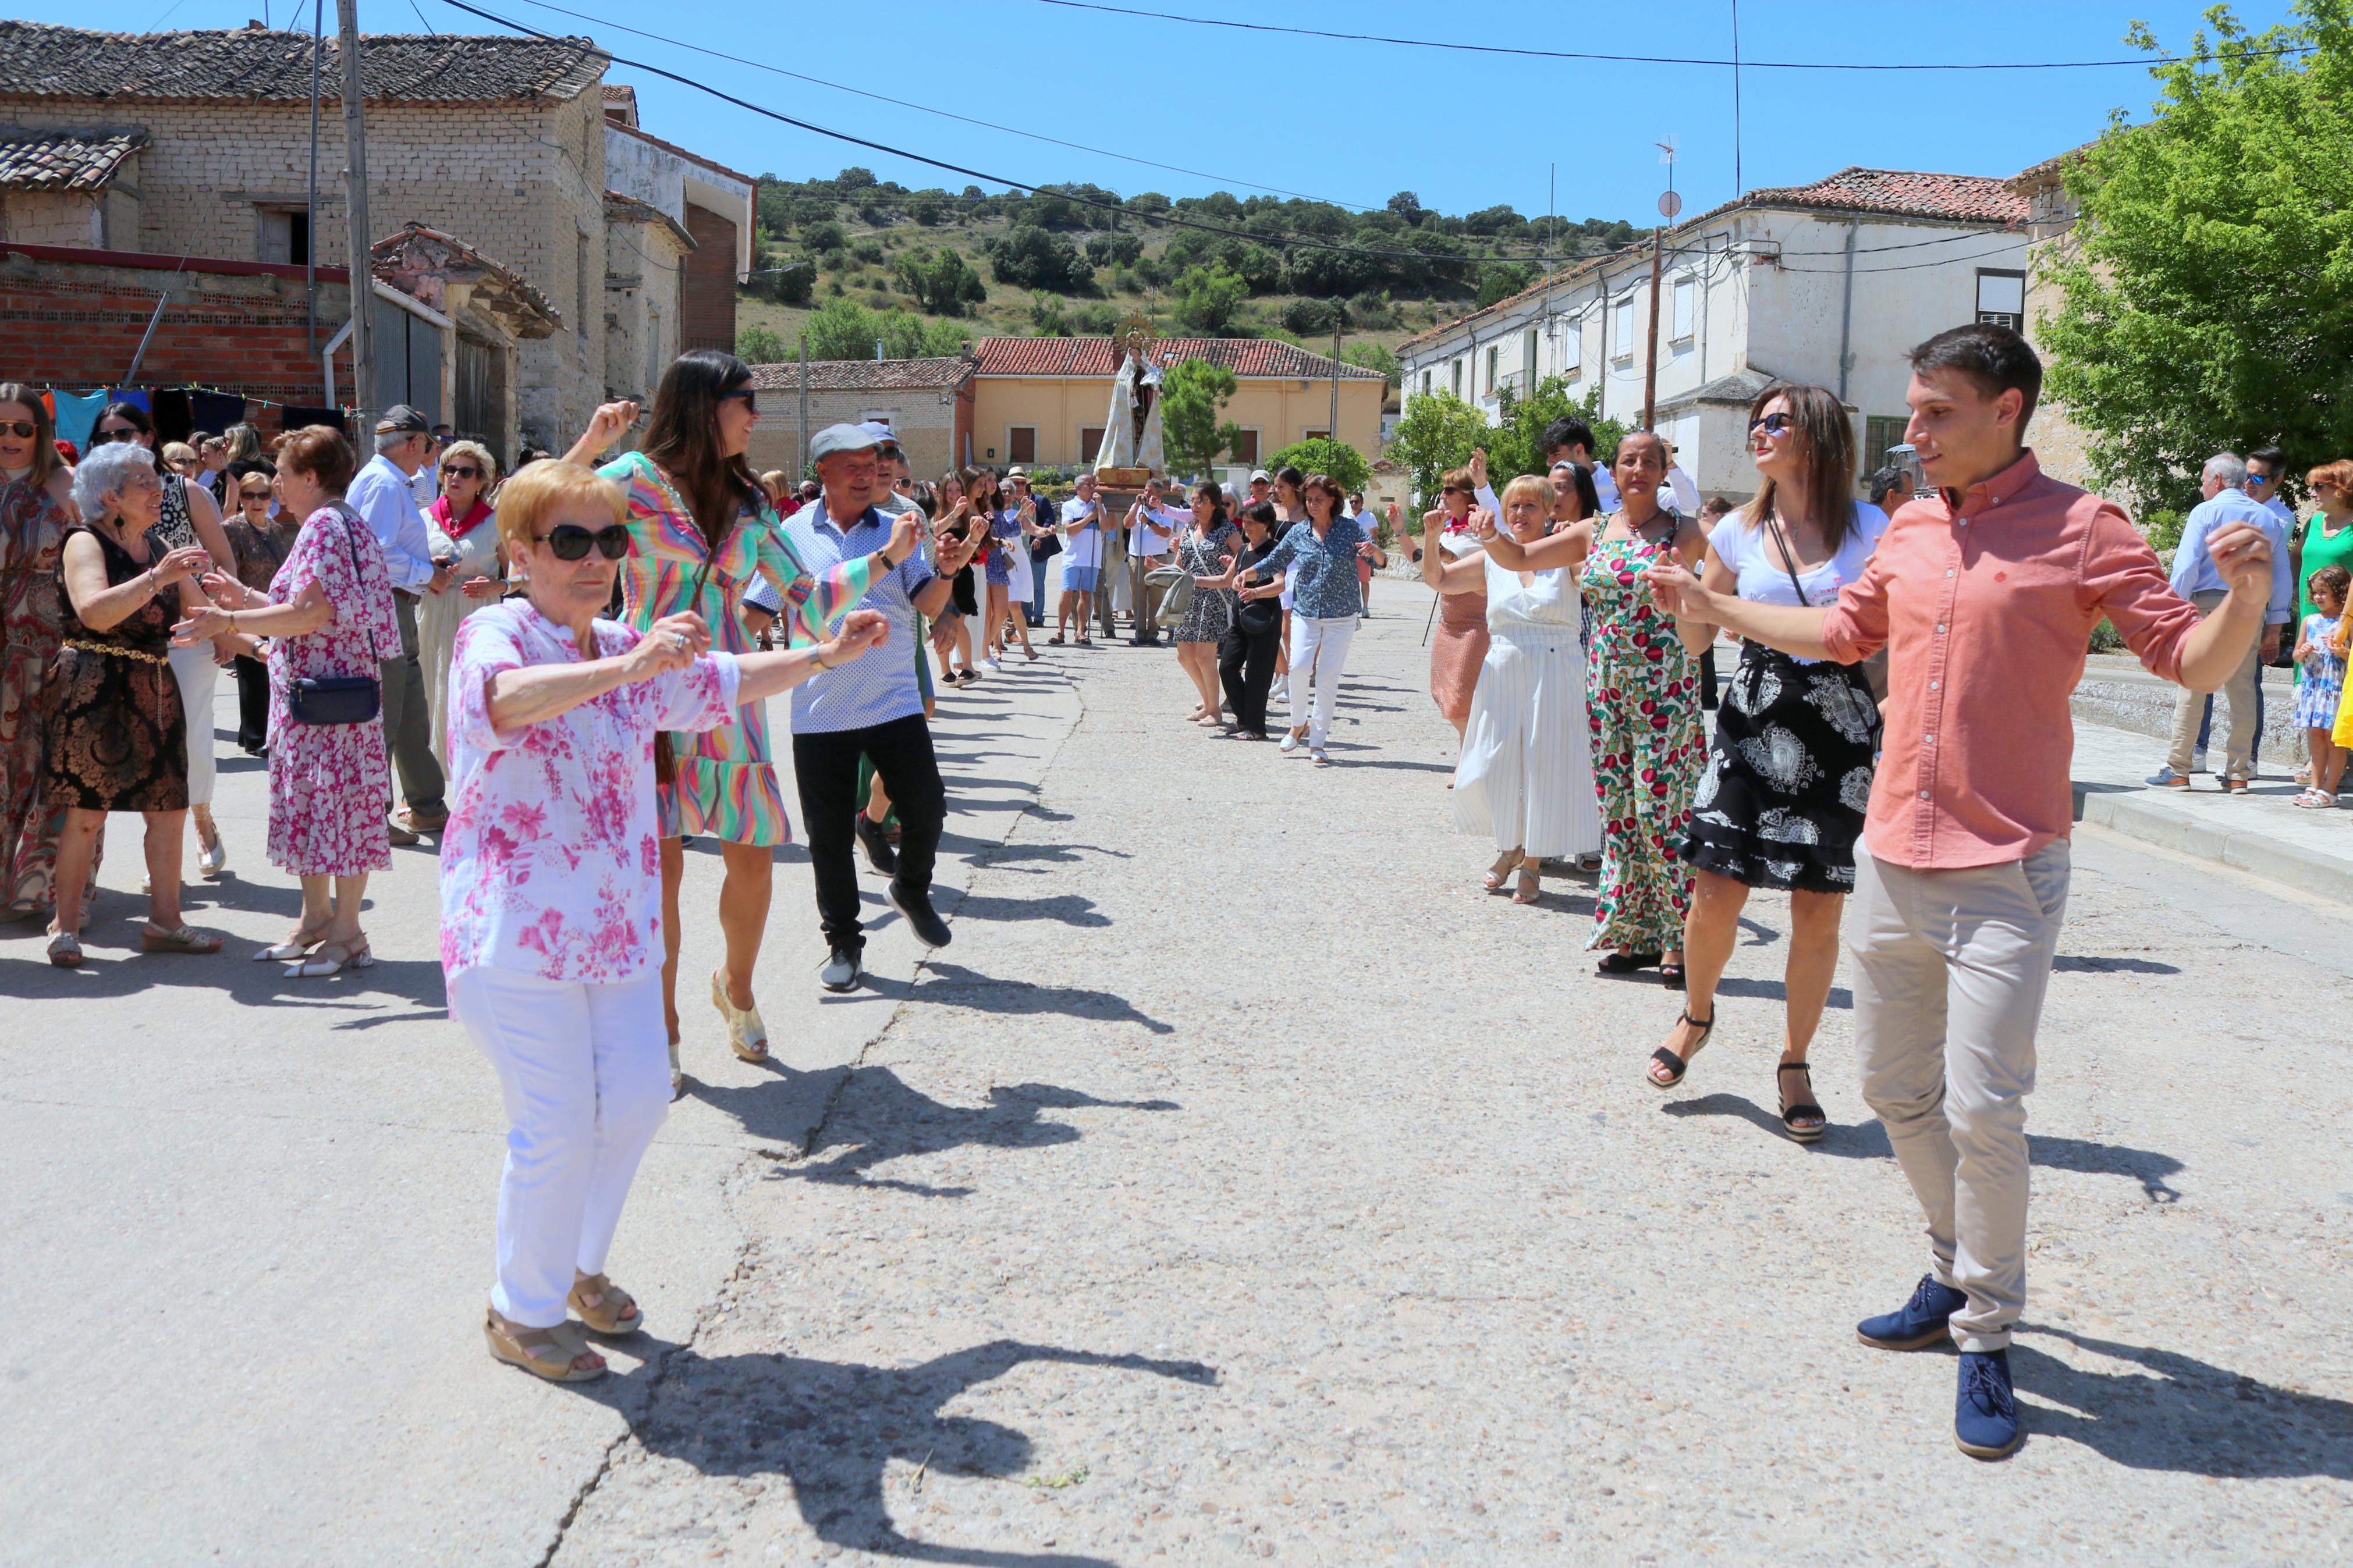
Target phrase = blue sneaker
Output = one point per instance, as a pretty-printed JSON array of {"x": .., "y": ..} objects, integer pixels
[
  {"x": 2166, "y": 778},
  {"x": 1922, "y": 1322},
  {"x": 1985, "y": 1415}
]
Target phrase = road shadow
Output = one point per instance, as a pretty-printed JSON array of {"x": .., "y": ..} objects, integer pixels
[
  {"x": 997, "y": 856},
  {"x": 1070, "y": 909},
  {"x": 875, "y": 1118},
  {"x": 2068, "y": 963},
  {"x": 1868, "y": 1140},
  {"x": 832, "y": 1429},
  {"x": 1775, "y": 990},
  {"x": 954, "y": 986},
  {"x": 2179, "y": 1413}
]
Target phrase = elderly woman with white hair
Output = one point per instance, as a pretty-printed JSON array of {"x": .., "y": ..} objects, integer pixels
[
  {"x": 116, "y": 731},
  {"x": 465, "y": 542},
  {"x": 552, "y": 907}
]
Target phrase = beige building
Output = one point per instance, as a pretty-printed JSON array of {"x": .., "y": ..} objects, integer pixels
[
  {"x": 2062, "y": 446},
  {"x": 927, "y": 403},
  {"x": 1044, "y": 400},
  {"x": 198, "y": 144}
]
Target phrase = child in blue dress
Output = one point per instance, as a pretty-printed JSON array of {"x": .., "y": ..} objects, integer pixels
[{"x": 2322, "y": 686}]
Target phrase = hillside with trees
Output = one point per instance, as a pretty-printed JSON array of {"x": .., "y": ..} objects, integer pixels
[{"x": 853, "y": 261}]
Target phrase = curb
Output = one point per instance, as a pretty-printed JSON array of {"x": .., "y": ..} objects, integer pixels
[{"x": 2128, "y": 813}]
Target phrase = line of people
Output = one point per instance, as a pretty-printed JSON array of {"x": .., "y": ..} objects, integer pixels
[{"x": 1897, "y": 729}]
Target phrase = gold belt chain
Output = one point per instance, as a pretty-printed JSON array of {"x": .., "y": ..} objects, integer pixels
[{"x": 139, "y": 653}]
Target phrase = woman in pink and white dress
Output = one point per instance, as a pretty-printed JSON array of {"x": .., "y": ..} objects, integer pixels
[{"x": 551, "y": 888}]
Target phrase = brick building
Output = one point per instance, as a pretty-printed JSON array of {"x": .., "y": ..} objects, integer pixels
[
  {"x": 2062, "y": 446},
  {"x": 198, "y": 144},
  {"x": 927, "y": 402}
]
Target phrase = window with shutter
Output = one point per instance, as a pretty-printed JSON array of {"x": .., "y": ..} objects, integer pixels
[
  {"x": 1686, "y": 295},
  {"x": 1021, "y": 444}
]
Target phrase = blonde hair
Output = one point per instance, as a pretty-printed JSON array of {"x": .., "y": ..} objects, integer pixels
[
  {"x": 483, "y": 458},
  {"x": 525, "y": 499},
  {"x": 179, "y": 452},
  {"x": 1536, "y": 486}
]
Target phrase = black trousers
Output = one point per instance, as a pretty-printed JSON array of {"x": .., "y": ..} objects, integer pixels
[
  {"x": 826, "y": 766},
  {"x": 1246, "y": 669},
  {"x": 252, "y": 702}
]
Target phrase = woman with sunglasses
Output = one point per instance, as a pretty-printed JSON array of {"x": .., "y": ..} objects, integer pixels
[
  {"x": 1642, "y": 711},
  {"x": 458, "y": 529},
  {"x": 552, "y": 909},
  {"x": 1788, "y": 779},
  {"x": 35, "y": 510},
  {"x": 697, "y": 531},
  {"x": 188, "y": 517},
  {"x": 261, "y": 542},
  {"x": 327, "y": 614}
]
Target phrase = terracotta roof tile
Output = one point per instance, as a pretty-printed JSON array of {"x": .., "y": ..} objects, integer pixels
[
  {"x": 863, "y": 375},
  {"x": 61, "y": 161},
  {"x": 1250, "y": 357},
  {"x": 1902, "y": 192},
  {"x": 253, "y": 64}
]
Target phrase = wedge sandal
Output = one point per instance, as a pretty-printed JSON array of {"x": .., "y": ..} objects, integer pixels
[
  {"x": 1803, "y": 1122},
  {"x": 1679, "y": 1066},
  {"x": 616, "y": 1311},
  {"x": 551, "y": 1353}
]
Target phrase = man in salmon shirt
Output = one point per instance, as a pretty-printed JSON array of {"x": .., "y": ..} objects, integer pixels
[{"x": 1984, "y": 596}]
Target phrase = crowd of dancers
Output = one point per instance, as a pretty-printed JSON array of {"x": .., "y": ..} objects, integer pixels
[{"x": 579, "y": 654}]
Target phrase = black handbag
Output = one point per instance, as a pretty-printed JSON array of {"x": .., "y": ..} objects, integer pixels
[{"x": 337, "y": 698}]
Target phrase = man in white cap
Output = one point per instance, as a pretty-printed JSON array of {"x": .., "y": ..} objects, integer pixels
[{"x": 878, "y": 712}]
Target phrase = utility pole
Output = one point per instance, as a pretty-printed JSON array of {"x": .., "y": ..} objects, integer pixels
[
  {"x": 801, "y": 473},
  {"x": 1336, "y": 385},
  {"x": 363, "y": 292},
  {"x": 1669, "y": 205},
  {"x": 311, "y": 195}
]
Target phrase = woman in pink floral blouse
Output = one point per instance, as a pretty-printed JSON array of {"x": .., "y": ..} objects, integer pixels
[{"x": 551, "y": 888}]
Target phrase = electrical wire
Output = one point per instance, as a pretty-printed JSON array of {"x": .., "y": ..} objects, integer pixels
[
  {"x": 1300, "y": 242},
  {"x": 1743, "y": 63},
  {"x": 926, "y": 109}
]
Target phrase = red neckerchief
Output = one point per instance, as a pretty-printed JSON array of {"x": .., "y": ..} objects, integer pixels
[
  {"x": 1455, "y": 526},
  {"x": 473, "y": 520}
]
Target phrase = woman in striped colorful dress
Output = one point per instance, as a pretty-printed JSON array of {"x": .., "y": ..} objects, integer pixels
[{"x": 700, "y": 530}]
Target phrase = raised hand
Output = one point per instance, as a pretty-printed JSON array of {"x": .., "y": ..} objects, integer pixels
[
  {"x": 2244, "y": 555},
  {"x": 188, "y": 562},
  {"x": 1674, "y": 590},
  {"x": 610, "y": 423},
  {"x": 1482, "y": 523},
  {"x": 672, "y": 643},
  {"x": 904, "y": 537},
  {"x": 1479, "y": 467},
  {"x": 861, "y": 631}
]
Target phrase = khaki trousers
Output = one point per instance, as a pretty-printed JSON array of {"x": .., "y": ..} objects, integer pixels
[
  {"x": 2239, "y": 691},
  {"x": 1950, "y": 971}
]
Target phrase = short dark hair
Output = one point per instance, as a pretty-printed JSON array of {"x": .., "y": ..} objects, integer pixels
[
  {"x": 1881, "y": 483},
  {"x": 1995, "y": 359},
  {"x": 322, "y": 452},
  {"x": 1566, "y": 431},
  {"x": 2271, "y": 457},
  {"x": 1261, "y": 513}
]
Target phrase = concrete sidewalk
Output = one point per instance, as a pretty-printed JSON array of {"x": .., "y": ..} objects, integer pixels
[{"x": 2264, "y": 832}]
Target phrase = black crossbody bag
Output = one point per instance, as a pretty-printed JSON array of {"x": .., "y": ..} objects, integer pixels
[{"x": 337, "y": 698}]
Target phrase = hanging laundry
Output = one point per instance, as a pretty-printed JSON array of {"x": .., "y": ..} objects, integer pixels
[
  {"x": 213, "y": 412},
  {"x": 75, "y": 413},
  {"x": 297, "y": 417}
]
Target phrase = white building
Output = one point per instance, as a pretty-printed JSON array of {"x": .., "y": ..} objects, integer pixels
[{"x": 1828, "y": 283}]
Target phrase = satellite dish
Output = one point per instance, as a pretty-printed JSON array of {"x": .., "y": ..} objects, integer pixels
[{"x": 1670, "y": 205}]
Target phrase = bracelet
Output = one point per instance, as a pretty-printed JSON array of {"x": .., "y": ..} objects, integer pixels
[{"x": 816, "y": 657}]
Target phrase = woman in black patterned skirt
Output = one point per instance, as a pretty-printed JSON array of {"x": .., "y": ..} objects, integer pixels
[
  {"x": 1789, "y": 776},
  {"x": 1209, "y": 614}
]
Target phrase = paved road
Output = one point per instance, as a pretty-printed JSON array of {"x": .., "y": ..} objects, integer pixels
[{"x": 1243, "y": 1183}]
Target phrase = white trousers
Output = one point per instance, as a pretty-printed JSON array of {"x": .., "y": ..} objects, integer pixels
[
  {"x": 199, "y": 679},
  {"x": 585, "y": 1072},
  {"x": 1951, "y": 970},
  {"x": 1320, "y": 649}
]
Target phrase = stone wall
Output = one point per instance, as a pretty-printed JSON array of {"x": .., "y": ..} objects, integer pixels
[
  {"x": 52, "y": 218},
  {"x": 643, "y": 276},
  {"x": 926, "y": 427},
  {"x": 523, "y": 183}
]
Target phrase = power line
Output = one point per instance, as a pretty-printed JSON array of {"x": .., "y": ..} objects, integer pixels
[
  {"x": 963, "y": 119},
  {"x": 1300, "y": 242},
  {"x": 1672, "y": 60}
]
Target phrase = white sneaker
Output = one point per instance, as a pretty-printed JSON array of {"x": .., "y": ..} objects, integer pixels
[{"x": 993, "y": 668}]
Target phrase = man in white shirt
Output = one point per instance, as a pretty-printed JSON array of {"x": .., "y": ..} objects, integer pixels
[
  {"x": 1152, "y": 526},
  {"x": 381, "y": 493},
  {"x": 1084, "y": 523}
]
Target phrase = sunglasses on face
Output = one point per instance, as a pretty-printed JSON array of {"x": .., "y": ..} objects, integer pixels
[
  {"x": 1772, "y": 424},
  {"x": 23, "y": 429},
  {"x": 121, "y": 433},
  {"x": 751, "y": 398},
  {"x": 570, "y": 541},
  {"x": 260, "y": 495},
  {"x": 462, "y": 470}
]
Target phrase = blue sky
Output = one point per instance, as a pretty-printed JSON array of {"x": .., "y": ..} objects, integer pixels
[{"x": 1351, "y": 122}]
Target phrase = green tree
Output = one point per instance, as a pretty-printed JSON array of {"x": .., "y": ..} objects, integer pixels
[
  {"x": 1193, "y": 393},
  {"x": 843, "y": 329},
  {"x": 1499, "y": 280},
  {"x": 1047, "y": 319},
  {"x": 1346, "y": 465},
  {"x": 1031, "y": 258},
  {"x": 939, "y": 279},
  {"x": 759, "y": 344},
  {"x": 2209, "y": 302},
  {"x": 1210, "y": 298},
  {"x": 1374, "y": 356},
  {"x": 1439, "y": 432},
  {"x": 1514, "y": 446}
]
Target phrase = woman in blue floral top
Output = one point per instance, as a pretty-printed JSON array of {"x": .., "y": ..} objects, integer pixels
[{"x": 1325, "y": 602}]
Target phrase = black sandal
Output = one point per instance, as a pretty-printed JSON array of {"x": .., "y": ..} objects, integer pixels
[
  {"x": 1674, "y": 1063},
  {"x": 1804, "y": 1108},
  {"x": 1626, "y": 962},
  {"x": 1670, "y": 975}
]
